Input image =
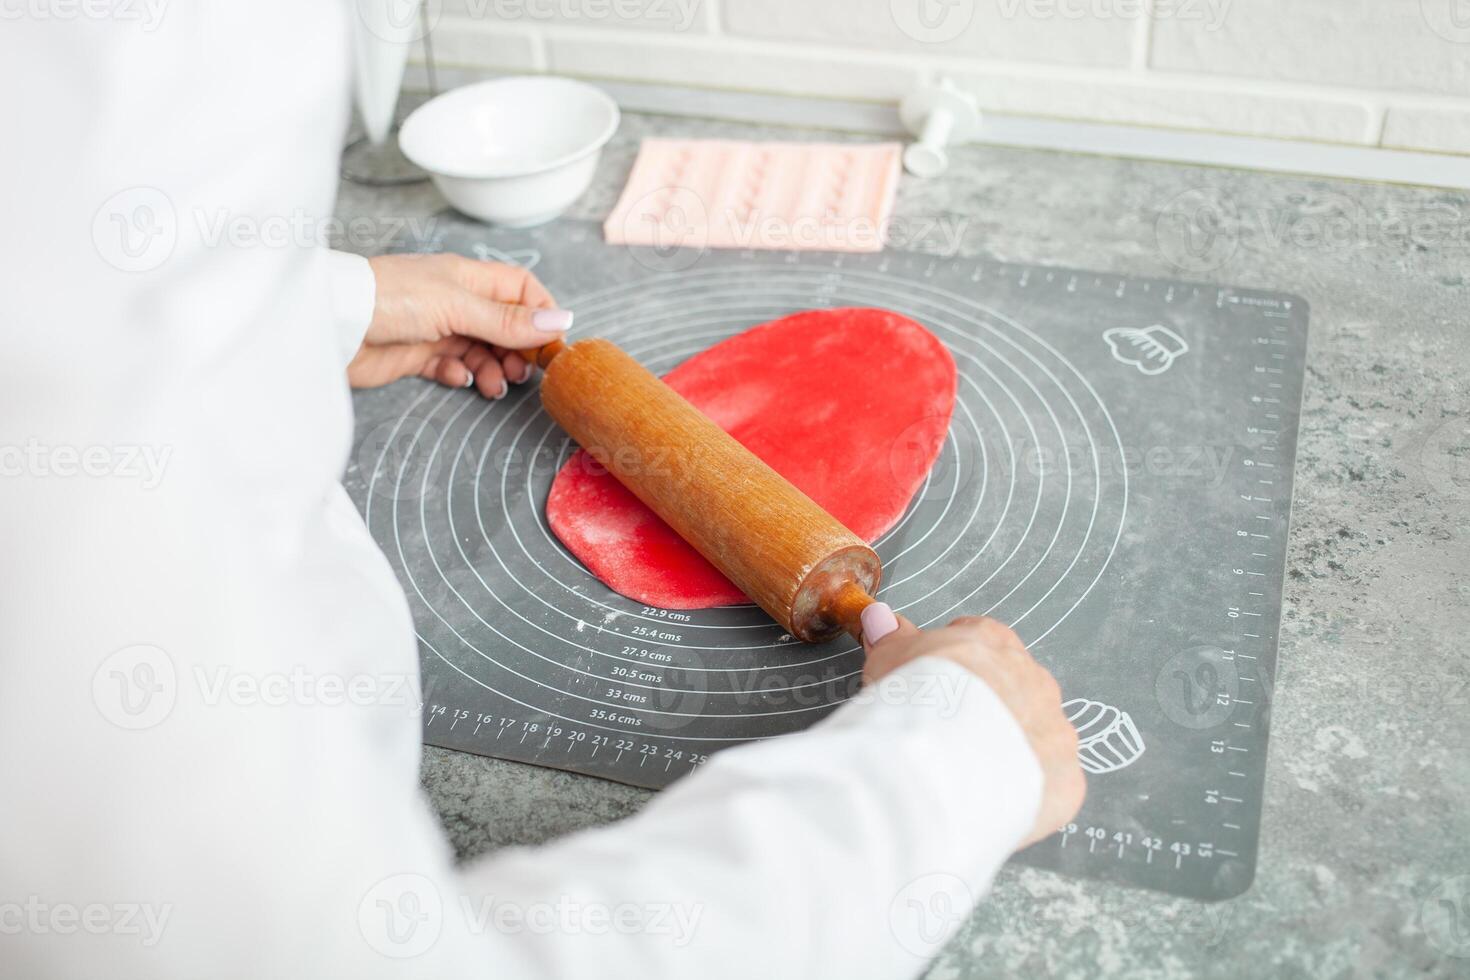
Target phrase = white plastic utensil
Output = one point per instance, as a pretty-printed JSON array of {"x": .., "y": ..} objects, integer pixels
[
  {"x": 939, "y": 115},
  {"x": 384, "y": 30}
]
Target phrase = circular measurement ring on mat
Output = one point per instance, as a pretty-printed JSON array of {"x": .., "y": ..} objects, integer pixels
[{"x": 1018, "y": 519}]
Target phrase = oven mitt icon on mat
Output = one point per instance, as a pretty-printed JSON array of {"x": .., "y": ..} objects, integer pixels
[
  {"x": 1152, "y": 350},
  {"x": 1107, "y": 739}
]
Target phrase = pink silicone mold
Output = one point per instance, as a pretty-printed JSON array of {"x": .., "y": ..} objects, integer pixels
[{"x": 790, "y": 196}]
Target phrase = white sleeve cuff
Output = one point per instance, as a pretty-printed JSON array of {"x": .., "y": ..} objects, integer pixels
[
  {"x": 966, "y": 731},
  {"x": 354, "y": 293},
  {"x": 854, "y": 849}
]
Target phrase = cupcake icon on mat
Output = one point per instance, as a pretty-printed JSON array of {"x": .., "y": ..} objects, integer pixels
[
  {"x": 1107, "y": 739},
  {"x": 1152, "y": 349}
]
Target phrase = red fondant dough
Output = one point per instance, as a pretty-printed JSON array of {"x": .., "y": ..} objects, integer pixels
[{"x": 850, "y": 405}]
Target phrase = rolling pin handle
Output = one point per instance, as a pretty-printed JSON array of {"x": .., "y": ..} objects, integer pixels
[
  {"x": 846, "y": 608},
  {"x": 543, "y": 356}
]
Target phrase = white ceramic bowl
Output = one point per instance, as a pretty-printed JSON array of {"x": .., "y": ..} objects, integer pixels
[{"x": 512, "y": 151}]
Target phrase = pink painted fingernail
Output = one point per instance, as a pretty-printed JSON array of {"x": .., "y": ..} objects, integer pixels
[
  {"x": 469, "y": 379},
  {"x": 552, "y": 321},
  {"x": 504, "y": 389},
  {"x": 878, "y": 621},
  {"x": 526, "y": 374}
]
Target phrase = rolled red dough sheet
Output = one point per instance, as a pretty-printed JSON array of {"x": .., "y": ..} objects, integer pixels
[{"x": 850, "y": 405}]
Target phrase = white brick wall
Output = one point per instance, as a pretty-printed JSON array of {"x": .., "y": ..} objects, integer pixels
[
  {"x": 994, "y": 30},
  {"x": 1386, "y": 45},
  {"x": 1394, "y": 73}
]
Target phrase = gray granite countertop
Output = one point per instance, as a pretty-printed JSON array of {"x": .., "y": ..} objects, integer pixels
[{"x": 1363, "y": 864}]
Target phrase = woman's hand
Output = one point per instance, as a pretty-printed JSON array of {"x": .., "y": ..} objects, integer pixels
[
  {"x": 993, "y": 652},
  {"x": 456, "y": 321}
]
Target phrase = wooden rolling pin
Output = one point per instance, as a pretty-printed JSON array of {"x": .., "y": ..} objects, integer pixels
[{"x": 810, "y": 573}]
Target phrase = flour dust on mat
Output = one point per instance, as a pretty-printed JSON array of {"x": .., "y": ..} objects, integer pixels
[{"x": 851, "y": 405}]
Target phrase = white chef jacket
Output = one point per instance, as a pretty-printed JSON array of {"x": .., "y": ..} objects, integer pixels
[{"x": 187, "y": 593}]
